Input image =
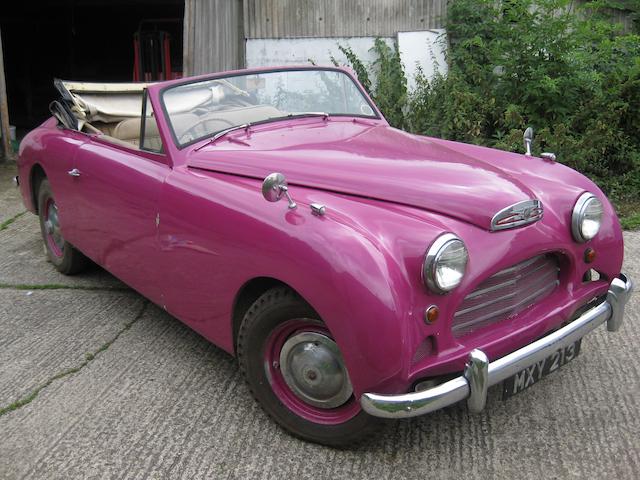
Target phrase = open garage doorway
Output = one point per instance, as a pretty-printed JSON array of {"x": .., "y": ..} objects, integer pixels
[{"x": 88, "y": 40}]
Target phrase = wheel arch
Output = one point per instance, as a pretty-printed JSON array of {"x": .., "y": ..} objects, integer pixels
[
  {"x": 247, "y": 295},
  {"x": 36, "y": 175}
]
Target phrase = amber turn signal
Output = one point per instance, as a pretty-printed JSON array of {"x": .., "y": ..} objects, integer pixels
[
  {"x": 431, "y": 314},
  {"x": 589, "y": 255}
]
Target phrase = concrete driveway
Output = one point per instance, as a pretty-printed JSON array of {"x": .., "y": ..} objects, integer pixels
[{"x": 95, "y": 382}]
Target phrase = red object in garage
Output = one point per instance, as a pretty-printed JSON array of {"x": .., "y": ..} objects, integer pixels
[{"x": 152, "y": 52}]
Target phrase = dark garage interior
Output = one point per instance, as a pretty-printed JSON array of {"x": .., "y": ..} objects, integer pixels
[{"x": 88, "y": 40}]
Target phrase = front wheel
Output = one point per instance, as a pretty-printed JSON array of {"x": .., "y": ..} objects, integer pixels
[
  {"x": 60, "y": 253},
  {"x": 295, "y": 370}
]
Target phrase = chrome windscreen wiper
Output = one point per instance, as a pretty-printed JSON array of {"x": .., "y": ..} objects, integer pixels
[
  {"x": 324, "y": 115},
  {"x": 247, "y": 125},
  {"x": 222, "y": 133}
]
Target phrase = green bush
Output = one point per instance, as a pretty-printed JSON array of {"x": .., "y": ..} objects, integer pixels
[
  {"x": 572, "y": 75},
  {"x": 390, "y": 89}
]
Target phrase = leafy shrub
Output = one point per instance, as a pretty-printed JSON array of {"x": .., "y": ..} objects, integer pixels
[
  {"x": 572, "y": 75},
  {"x": 390, "y": 89},
  {"x": 390, "y": 93}
]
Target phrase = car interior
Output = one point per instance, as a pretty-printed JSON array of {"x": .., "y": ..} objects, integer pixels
[{"x": 115, "y": 111}]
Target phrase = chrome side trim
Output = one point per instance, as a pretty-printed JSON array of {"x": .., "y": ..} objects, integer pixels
[
  {"x": 518, "y": 214},
  {"x": 479, "y": 374}
]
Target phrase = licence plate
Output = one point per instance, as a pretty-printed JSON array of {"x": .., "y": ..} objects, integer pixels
[{"x": 532, "y": 374}]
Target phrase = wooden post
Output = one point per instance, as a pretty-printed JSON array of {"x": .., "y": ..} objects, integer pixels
[
  {"x": 187, "y": 38},
  {"x": 4, "y": 111}
]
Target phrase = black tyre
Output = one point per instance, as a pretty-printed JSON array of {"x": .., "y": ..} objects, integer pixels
[
  {"x": 61, "y": 254},
  {"x": 296, "y": 372}
]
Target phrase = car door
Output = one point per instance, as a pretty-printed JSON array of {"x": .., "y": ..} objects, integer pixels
[{"x": 117, "y": 188}]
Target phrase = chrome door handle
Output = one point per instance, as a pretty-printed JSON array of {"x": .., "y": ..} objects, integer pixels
[{"x": 74, "y": 172}]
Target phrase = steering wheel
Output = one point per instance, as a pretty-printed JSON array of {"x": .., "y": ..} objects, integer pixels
[
  {"x": 230, "y": 85},
  {"x": 191, "y": 134}
]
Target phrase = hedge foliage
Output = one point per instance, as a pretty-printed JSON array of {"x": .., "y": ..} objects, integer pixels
[{"x": 572, "y": 75}]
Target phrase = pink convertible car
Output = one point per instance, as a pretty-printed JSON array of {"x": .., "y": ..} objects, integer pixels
[{"x": 357, "y": 272}]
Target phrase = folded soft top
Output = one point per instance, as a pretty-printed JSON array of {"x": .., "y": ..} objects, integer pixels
[{"x": 102, "y": 102}]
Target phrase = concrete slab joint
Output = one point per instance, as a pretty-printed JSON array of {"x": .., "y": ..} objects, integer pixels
[{"x": 89, "y": 357}]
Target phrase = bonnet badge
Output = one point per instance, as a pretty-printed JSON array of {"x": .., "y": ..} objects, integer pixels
[{"x": 518, "y": 214}]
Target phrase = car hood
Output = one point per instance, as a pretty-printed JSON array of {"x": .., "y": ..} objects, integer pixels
[{"x": 374, "y": 161}]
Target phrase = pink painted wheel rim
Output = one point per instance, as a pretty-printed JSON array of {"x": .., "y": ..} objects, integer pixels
[
  {"x": 53, "y": 237},
  {"x": 272, "y": 350}
]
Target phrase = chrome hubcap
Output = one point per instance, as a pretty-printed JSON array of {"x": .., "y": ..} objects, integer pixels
[
  {"x": 52, "y": 225},
  {"x": 314, "y": 370}
]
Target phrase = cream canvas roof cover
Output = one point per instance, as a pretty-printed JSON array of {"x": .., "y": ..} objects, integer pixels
[{"x": 104, "y": 102}]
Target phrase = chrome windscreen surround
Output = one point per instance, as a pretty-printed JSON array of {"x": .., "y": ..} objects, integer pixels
[{"x": 518, "y": 214}]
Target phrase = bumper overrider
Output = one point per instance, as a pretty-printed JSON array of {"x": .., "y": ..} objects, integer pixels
[{"x": 479, "y": 374}]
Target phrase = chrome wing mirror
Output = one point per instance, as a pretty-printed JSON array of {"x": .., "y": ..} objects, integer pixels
[
  {"x": 274, "y": 187},
  {"x": 528, "y": 140}
]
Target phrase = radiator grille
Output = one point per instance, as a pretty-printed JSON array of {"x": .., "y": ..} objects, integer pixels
[{"x": 507, "y": 293}]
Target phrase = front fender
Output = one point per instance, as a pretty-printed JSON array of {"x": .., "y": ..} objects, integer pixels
[
  {"x": 363, "y": 283},
  {"x": 217, "y": 233}
]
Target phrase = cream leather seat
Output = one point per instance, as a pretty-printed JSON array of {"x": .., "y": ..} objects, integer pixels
[{"x": 129, "y": 131}]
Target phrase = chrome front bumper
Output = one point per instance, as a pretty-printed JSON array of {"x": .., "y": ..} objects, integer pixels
[{"x": 479, "y": 374}]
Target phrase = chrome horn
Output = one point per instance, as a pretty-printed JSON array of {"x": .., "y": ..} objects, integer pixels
[
  {"x": 274, "y": 187},
  {"x": 528, "y": 140}
]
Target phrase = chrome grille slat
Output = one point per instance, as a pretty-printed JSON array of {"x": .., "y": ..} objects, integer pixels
[
  {"x": 482, "y": 291},
  {"x": 504, "y": 297},
  {"x": 507, "y": 293},
  {"x": 551, "y": 286},
  {"x": 520, "y": 266}
]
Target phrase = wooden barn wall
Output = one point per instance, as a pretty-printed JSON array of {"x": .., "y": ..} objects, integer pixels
[
  {"x": 339, "y": 18},
  {"x": 213, "y": 36},
  {"x": 215, "y": 30}
]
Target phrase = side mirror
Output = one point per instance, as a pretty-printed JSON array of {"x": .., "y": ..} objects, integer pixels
[
  {"x": 274, "y": 187},
  {"x": 528, "y": 140}
]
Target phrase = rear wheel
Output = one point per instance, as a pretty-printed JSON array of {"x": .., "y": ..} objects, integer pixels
[
  {"x": 61, "y": 254},
  {"x": 295, "y": 370}
]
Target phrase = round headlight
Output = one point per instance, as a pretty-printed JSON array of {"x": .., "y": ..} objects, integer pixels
[
  {"x": 586, "y": 217},
  {"x": 445, "y": 263}
]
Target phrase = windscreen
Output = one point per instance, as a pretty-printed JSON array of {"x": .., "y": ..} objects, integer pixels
[{"x": 203, "y": 109}]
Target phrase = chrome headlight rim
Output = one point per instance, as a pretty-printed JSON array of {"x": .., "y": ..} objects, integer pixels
[
  {"x": 578, "y": 216},
  {"x": 431, "y": 259}
]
